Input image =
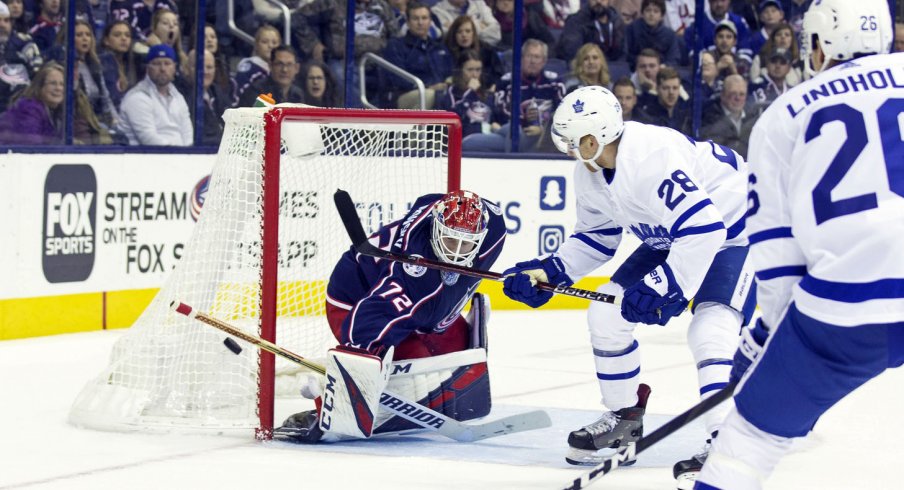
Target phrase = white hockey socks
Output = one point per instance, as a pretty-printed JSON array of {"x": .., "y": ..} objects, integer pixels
[
  {"x": 355, "y": 379},
  {"x": 618, "y": 373},
  {"x": 713, "y": 338}
]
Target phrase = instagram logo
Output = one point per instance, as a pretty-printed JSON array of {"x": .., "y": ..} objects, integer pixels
[{"x": 551, "y": 237}]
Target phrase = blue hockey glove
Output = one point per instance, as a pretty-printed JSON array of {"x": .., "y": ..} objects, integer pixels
[
  {"x": 655, "y": 299},
  {"x": 749, "y": 350},
  {"x": 521, "y": 279}
]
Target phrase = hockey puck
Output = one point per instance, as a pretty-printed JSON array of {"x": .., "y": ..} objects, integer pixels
[{"x": 232, "y": 345}]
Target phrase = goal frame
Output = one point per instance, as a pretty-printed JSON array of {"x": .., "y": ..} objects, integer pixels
[{"x": 273, "y": 123}]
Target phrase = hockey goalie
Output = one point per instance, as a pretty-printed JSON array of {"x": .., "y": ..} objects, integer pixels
[{"x": 400, "y": 327}]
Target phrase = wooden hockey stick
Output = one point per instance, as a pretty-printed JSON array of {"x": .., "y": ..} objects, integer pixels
[
  {"x": 408, "y": 410},
  {"x": 631, "y": 451},
  {"x": 349, "y": 215}
]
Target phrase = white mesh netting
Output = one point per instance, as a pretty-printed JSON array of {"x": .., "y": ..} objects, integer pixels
[{"x": 169, "y": 372}]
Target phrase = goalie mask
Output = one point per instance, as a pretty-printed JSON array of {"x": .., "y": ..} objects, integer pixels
[
  {"x": 590, "y": 111},
  {"x": 845, "y": 29},
  {"x": 459, "y": 227}
]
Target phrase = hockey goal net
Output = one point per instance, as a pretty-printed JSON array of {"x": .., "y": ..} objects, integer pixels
[{"x": 260, "y": 257}]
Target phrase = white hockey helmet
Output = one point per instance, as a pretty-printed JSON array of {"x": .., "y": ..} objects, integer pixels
[
  {"x": 590, "y": 111},
  {"x": 846, "y": 29}
]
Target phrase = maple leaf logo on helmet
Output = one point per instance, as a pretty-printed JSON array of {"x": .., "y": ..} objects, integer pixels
[
  {"x": 459, "y": 226},
  {"x": 578, "y": 107}
]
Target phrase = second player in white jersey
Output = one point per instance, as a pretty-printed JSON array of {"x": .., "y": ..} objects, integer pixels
[{"x": 686, "y": 201}]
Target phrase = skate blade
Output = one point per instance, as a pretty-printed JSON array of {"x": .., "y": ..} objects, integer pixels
[
  {"x": 585, "y": 457},
  {"x": 685, "y": 481}
]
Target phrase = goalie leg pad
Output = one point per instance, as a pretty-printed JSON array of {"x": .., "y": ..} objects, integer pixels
[
  {"x": 355, "y": 379},
  {"x": 456, "y": 385}
]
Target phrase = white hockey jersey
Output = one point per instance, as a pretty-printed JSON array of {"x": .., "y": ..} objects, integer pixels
[
  {"x": 671, "y": 192},
  {"x": 827, "y": 181}
]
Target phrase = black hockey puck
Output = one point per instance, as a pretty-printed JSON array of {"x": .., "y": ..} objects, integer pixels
[{"x": 232, "y": 345}]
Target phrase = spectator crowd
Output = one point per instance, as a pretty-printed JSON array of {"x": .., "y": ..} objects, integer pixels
[{"x": 135, "y": 63}]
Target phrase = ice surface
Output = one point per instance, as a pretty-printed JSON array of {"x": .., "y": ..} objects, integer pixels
[{"x": 538, "y": 359}]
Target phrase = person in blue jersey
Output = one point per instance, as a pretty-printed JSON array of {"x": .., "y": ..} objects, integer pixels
[
  {"x": 827, "y": 183},
  {"x": 382, "y": 311},
  {"x": 685, "y": 201}
]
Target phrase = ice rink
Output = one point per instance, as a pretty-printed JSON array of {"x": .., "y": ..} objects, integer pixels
[{"x": 538, "y": 359}]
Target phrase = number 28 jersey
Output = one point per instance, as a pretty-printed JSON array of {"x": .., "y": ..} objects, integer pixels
[
  {"x": 670, "y": 191},
  {"x": 827, "y": 175}
]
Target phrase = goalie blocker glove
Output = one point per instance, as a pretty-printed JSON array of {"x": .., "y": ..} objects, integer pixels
[{"x": 523, "y": 277}]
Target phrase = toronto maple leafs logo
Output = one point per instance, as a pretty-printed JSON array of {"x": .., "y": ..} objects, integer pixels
[{"x": 578, "y": 106}]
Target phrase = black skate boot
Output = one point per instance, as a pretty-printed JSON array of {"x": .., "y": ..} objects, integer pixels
[
  {"x": 613, "y": 430},
  {"x": 686, "y": 471},
  {"x": 303, "y": 427}
]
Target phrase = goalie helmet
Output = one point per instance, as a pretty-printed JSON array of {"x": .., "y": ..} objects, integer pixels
[
  {"x": 459, "y": 226},
  {"x": 846, "y": 29},
  {"x": 590, "y": 111}
]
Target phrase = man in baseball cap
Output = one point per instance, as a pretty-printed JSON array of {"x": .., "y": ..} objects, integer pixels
[{"x": 153, "y": 111}]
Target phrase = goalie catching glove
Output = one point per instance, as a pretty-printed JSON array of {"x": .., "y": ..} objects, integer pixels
[
  {"x": 655, "y": 299},
  {"x": 521, "y": 280}
]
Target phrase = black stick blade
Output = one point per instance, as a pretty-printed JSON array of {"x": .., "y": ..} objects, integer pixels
[{"x": 349, "y": 216}]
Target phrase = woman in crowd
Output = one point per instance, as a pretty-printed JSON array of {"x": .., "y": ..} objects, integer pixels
[
  {"x": 532, "y": 24},
  {"x": 461, "y": 36},
  {"x": 712, "y": 82},
  {"x": 319, "y": 85},
  {"x": 782, "y": 37},
  {"x": 588, "y": 67},
  {"x": 20, "y": 17},
  {"x": 257, "y": 66},
  {"x": 212, "y": 43},
  {"x": 165, "y": 30},
  {"x": 36, "y": 114},
  {"x": 91, "y": 75},
  {"x": 122, "y": 67},
  {"x": 468, "y": 98}
]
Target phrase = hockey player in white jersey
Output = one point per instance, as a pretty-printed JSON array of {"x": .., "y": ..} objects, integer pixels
[
  {"x": 686, "y": 201},
  {"x": 827, "y": 174}
]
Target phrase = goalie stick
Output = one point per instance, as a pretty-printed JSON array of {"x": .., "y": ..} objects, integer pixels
[
  {"x": 408, "y": 410},
  {"x": 629, "y": 452},
  {"x": 349, "y": 215}
]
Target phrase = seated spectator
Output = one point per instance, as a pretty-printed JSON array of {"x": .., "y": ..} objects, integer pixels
[
  {"x": 140, "y": 14},
  {"x": 729, "y": 60},
  {"x": 667, "y": 110},
  {"x": 771, "y": 16},
  {"x": 629, "y": 9},
  {"x": 375, "y": 25},
  {"x": 794, "y": 13},
  {"x": 47, "y": 25},
  {"x": 596, "y": 22},
  {"x": 556, "y": 12},
  {"x": 221, "y": 77},
  {"x": 726, "y": 121},
  {"x": 15, "y": 47},
  {"x": 644, "y": 76},
  {"x": 541, "y": 93},
  {"x": 399, "y": 7},
  {"x": 487, "y": 25},
  {"x": 461, "y": 37},
  {"x": 899, "y": 37},
  {"x": 774, "y": 82},
  {"x": 532, "y": 25},
  {"x": 35, "y": 116},
  {"x": 709, "y": 74},
  {"x": 588, "y": 67},
  {"x": 90, "y": 76},
  {"x": 718, "y": 12},
  {"x": 121, "y": 66},
  {"x": 319, "y": 85},
  {"x": 468, "y": 97},
  {"x": 257, "y": 67},
  {"x": 679, "y": 15},
  {"x": 626, "y": 94},
  {"x": 216, "y": 100},
  {"x": 782, "y": 37},
  {"x": 165, "y": 30},
  {"x": 312, "y": 24},
  {"x": 284, "y": 67},
  {"x": 650, "y": 32},
  {"x": 153, "y": 112},
  {"x": 20, "y": 16},
  {"x": 416, "y": 53}
]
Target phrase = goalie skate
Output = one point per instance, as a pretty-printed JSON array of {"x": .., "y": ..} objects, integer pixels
[{"x": 613, "y": 430}]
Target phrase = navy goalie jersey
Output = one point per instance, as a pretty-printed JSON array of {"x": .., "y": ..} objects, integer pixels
[{"x": 390, "y": 300}]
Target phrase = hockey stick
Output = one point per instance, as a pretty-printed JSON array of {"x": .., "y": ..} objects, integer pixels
[
  {"x": 630, "y": 452},
  {"x": 349, "y": 215},
  {"x": 411, "y": 411}
]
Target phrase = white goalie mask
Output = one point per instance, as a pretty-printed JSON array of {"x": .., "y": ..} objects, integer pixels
[
  {"x": 590, "y": 111},
  {"x": 459, "y": 227},
  {"x": 846, "y": 29}
]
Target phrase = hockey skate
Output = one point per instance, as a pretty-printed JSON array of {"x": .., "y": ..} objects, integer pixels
[
  {"x": 613, "y": 430},
  {"x": 686, "y": 471},
  {"x": 303, "y": 427}
]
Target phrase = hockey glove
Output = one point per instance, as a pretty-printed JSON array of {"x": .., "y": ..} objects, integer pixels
[
  {"x": 655, "y": 299},
  {"x": 749, "y": 350},
  {"x": 521, "y": 279}
]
